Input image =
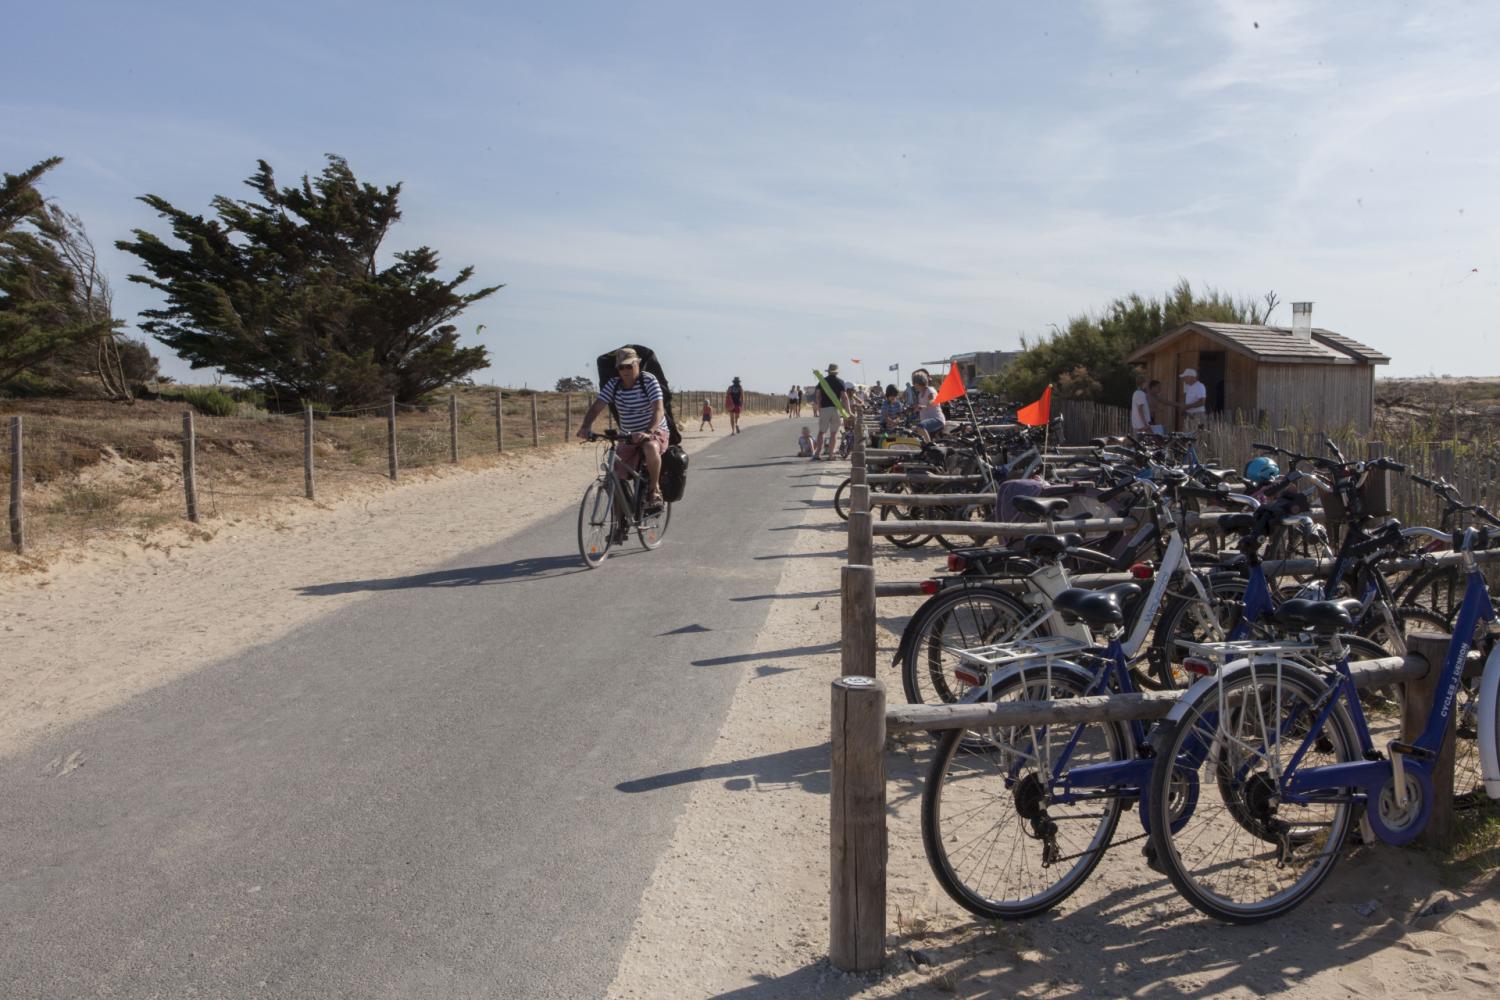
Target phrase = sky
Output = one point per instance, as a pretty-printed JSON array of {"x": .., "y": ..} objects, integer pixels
[{"x": 756, "y": 189}]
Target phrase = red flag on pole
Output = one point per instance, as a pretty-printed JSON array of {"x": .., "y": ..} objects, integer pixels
[
  {"x": 1037, "y": 413},
  {"x": 952, "y": 387}
]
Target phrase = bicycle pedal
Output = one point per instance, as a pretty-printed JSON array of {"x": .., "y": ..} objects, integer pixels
[{"x": 1412, "y": 750}]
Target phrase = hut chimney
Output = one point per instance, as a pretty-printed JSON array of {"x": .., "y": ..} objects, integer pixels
[{"x": 1302, "y": 321}]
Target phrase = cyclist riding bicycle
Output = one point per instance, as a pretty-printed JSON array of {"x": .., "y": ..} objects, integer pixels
[{"x": 641, "y": 408}]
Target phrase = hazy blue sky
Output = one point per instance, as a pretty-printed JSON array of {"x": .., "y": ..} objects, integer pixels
[{"x": 758, "y": 188}]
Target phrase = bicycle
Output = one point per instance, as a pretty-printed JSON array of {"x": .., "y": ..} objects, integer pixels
[
  {"x": 613, "y": 506},
  {"x": 1282, "y": 746}
]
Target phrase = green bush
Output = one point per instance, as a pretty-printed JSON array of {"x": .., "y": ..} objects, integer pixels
[{"x": 210, "y": 402}]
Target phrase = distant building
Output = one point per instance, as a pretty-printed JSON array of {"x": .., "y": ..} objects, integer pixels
[
  {"x": 976, "y": 364},
  {"x": 1289, "y": 376}
]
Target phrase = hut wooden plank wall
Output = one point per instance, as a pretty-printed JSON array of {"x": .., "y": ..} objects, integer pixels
[{"x": 1267, "y": 372}]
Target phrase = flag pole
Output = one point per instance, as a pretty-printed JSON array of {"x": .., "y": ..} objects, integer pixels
[{"x": 1047, "y": 433}]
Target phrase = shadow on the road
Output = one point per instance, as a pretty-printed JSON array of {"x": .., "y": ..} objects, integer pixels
[
  {"x": 544, "y": 568},
  {"x": 749, "y": 465},
  {"x": 774, "y": 654},
  {"x": 806, "y": 555},
  {"x": 781, "y": 597},
  {"x": 829, "y": 526},
  {"x": 805, "y": 766}
]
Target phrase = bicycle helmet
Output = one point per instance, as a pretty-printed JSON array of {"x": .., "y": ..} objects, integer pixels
[{"x": 1261, "y": 470}]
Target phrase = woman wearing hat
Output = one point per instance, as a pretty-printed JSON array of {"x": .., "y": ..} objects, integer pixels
[{"x": 734, "y": 401}]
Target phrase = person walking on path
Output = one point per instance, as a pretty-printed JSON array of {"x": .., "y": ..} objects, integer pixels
[
  {"x": 829, "y": 419},
  {"x": 793, "y": 397},
  {"x": 708, "y": 416},
  {"x": 734, "y": 401}
]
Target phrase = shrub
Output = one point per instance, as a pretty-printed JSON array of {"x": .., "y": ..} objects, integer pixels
[{"x": 208, "y": 401}]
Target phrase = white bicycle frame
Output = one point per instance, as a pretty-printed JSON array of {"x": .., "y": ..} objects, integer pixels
[{"x": 1489, "y": 735}]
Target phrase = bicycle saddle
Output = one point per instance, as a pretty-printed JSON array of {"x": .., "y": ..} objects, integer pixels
[
  {"x": 1043, "y": 546},
  {"x": 1038, "y": 507},
  {"x": 1318, "y": 616},
  {"x": 1236, "y": 522},
  {"x": 1096, "y": 608},
  {"x": 990, "y": 560}
]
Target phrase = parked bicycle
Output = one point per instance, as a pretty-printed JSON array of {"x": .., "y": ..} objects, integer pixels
[{"x": 615, "y": 503}]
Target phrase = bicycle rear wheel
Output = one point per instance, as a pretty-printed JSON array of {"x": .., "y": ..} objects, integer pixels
[
  {"x": 1242, "y": 853},
  {"x": 958, "y": 619},
  {"x": 653, "y": 527},
  {"x": 996, "y": 841},
  {"x": 596, "y": 523}
]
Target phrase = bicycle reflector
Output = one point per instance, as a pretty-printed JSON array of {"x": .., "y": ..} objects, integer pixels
[
  {"x": 966, "y": 674},
  {"x": 957, "y": 563},
  {"x": 1142, "y": 571},
  {"x": 1197, "y": 667},
  {"x": 930, "y": 587}
]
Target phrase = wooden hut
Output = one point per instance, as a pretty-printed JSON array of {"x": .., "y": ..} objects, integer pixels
[{"x": 1311, "y": 377}]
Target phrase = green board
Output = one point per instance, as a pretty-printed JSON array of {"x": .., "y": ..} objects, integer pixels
[{"x": 838, "y": 403}]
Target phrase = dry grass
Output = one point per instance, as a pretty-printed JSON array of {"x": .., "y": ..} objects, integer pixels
[{"x": 96, "y": 467}]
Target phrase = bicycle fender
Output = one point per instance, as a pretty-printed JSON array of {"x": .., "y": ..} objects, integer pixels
[
  {"x": 1489, "y": 704},
  {"x": 1059, "y": 667}
]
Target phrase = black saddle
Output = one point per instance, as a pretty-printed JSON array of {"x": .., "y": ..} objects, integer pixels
[
  {"x": 1039, "y": 507},
  {"x": 1049, "y": 546},
  {"x": 1236, "y": 522},
  {"x": 1096, "y": 608},
  {"x": 1318, "y": 616}
]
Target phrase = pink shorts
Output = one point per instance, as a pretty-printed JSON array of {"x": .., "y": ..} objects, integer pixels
[{"x": 627, "y": 454}]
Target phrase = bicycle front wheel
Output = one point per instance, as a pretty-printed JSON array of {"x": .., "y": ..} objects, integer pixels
[
  {"x": 996, "y": 839},
  {"x": 596, "y": 523},
  {"x": 653, "y": 527},
  {"x": 1241, "y": 852}
]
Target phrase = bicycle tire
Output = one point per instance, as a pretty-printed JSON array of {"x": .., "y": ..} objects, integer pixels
[
  {"x": 987, "y": 789},
  {"x": 1439, "y": 589},
  {"x": 596, "y": 514},
  {"x": 653, "y": 528},
  {"x": 888, "y": 512},
  {"x": 839, "y": 496},
  {"x": 1247, "y": 862},
  {"x": 961, "y": 618}
]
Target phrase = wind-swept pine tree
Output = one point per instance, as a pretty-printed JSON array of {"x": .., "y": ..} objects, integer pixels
[
  {"x": 43, "y": 309},
  {"x": 287, "y": 292}
]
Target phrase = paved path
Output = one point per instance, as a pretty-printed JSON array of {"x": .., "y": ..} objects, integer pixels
[{"x": 415, "y": 796}]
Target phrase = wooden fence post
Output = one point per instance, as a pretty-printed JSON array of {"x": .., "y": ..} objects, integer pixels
[
  {"x": 536, "y": 428},
  {"x": 190, "y": 465},
  {"x": 861, "y": 530},
  {"x": 307, "y": 450},
  {"x": 499, "y": 420},
  {"x": 857, "y": 825},
  {"x": 567, "y": 416},
  {"x": 390, "y": 437},
  {"x": 857, "y": 613},
  {"x": 453, "y": 428},
  {"x": 1416, "y": 705},
  {"x": 17, "y": 516}
]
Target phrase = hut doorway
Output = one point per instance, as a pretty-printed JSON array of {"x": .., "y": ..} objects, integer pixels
[{"x": 1211, "y": 374}]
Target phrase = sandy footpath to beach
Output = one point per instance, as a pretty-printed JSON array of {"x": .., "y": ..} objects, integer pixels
[
  {"x": 113, "y": 617},
  {"x": 738, "y": 905}
]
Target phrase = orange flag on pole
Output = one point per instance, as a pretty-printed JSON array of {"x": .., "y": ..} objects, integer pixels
[
  {"x": 952, "y": 387},
  {"x": 1037, "y": 413}
]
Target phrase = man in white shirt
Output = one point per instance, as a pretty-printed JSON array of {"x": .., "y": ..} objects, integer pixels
[
  {"x": 1194, "y": 396},
  {"x": 1140, "y": 408}
]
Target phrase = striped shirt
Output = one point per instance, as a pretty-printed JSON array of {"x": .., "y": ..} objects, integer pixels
[{"x": 633, "y": 405}]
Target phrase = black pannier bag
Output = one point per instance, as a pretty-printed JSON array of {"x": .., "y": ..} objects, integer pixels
[
  {"x": 674, "y": 467},
  {"x": 649, "y": 363}
]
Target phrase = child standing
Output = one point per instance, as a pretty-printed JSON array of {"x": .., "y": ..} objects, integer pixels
[{"x": 708, "y": 416}]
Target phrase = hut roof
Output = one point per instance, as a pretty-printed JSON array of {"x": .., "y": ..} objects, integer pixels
[{"x": 1274, "y": 343}]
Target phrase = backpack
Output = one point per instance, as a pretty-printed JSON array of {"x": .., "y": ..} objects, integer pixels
[
  {"x": 736, "y": 393},
  {"x": 649, "y": 363},
  {"x": 674, "y": 468}
]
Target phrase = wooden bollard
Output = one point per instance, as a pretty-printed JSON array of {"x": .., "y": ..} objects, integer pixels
[
  {"x": 190, "y": 466},
  {"x": 499, "y": 420},
  {"x": 857, "y": 614},
  {"x": 567, "y": 416},
  {"x": 307, "y": 450},
  {"x": 17, "y": 515},
  {"x": 1416, "y": 705},
  {"x": 453, "y": 428},
  {"x": 861, "y": 538},
  {"x": 857, "y": 825},
  {"x": 390, "y": 437},
  {"x": 859, "y": 497},
  {"x": 536, "y": 427}
]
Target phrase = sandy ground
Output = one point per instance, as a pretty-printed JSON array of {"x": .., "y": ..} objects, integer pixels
[
  {"x": 738, "y": 906},
  {"x": 112, "y": 617}
]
